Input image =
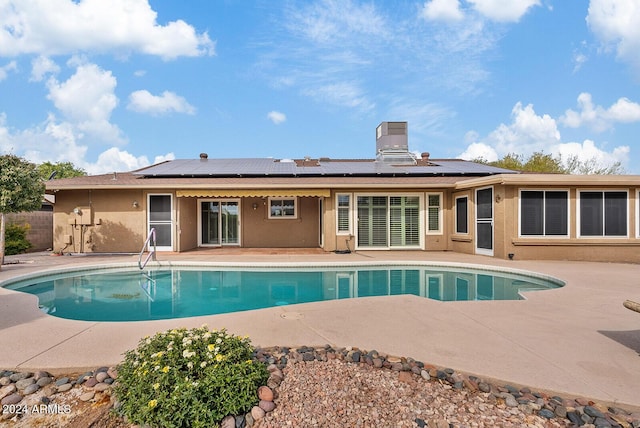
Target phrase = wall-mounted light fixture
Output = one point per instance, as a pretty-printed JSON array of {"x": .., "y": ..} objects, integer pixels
[
  {"x": 255, "y": 206},
  {"x": 77, "y": 211},
  {"x": 135, "y": 204},
  {"x": 498, "y": 197}
]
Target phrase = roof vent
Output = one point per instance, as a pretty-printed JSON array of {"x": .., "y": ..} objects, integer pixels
[{"x": 203, "y": 156}]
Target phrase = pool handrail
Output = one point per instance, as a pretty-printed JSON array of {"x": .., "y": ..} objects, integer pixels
[{"x": 152, "y": 253}]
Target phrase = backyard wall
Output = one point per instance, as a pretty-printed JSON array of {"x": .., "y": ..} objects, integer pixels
[{"x": 40, "y": 234}]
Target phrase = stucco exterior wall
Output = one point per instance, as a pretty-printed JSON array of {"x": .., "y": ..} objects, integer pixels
[
  {"x": 606, "y": 249},
  {"x": 187, "y": 224},
  {"x": 109, "y": 222},
  {"x": 259, "y": 231}
]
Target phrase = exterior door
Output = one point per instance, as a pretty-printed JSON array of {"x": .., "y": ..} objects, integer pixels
[
  {"x": 219, "y": 222},
  {"x": 484, "y": 221},
  {"x": 160, "y": 217}
]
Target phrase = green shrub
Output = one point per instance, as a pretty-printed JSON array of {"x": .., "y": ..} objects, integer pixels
[
  {"x": 16, "y": 239},
  {"x": 188, "y": 378}
]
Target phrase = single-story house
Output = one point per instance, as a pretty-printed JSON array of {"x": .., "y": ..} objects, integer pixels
[{"x": 395, "y": 201}]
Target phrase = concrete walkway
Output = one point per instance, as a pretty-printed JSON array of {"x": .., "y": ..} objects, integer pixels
[{"x": 578, "y": 340}]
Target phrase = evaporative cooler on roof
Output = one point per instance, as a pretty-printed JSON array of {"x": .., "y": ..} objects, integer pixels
[{"x": 392, "y": 144}]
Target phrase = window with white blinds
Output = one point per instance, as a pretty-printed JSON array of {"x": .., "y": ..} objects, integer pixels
[
  {"x": 343, "y": 208},
  {"x": 388, "y": 221},
  {"x": 434, "y": 213}
]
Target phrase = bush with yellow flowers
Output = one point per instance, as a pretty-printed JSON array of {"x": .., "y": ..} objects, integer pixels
[{"x": 188, "y": 378}]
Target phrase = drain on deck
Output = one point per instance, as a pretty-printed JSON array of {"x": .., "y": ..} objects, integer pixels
[{"x": 291, "y": 315}]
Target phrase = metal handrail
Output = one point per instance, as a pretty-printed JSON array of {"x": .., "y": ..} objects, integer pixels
[{"x": 152, "y": 234}]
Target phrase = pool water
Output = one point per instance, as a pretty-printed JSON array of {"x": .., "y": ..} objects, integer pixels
[{"x": 134, "y": 295}]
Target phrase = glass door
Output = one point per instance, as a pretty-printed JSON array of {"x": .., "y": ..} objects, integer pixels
[
  {"x": 219, "y": 222},
  {"x": 160, "y": 218}
]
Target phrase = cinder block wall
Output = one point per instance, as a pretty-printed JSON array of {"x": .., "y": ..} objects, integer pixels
[{"x": 41, "y": 233}]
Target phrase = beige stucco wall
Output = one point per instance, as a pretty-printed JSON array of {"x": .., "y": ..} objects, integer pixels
[
  {"x": 187, "y": 225},
  {"x": 259, "y": 231},
  {"x": 606, "y": 249},
  {"x": 109, "y": 222}
]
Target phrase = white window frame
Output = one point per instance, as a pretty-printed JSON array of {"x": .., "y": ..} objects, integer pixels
[
  {"x": 455, "y": 209},
  {"x": 283, "y": 217},
  {"x": 579, "y": 212},
  {"x": 637, "y": 213},
  {"x": 544, "y": 235},
  {"x": 426, "y": 216},
  {"x": 171, "y": 222},
  {"x": 349, "y": 208}
]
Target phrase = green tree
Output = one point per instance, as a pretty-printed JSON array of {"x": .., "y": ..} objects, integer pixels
[
  {"x": 592, "y": 166},
  {"x": 21, "y": 189},
  {"x": 61, "y": 170},
  {"x": 546, "y": 163}
]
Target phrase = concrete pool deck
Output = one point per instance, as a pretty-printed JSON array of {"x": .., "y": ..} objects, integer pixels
[{"x": 577, "y": 340}]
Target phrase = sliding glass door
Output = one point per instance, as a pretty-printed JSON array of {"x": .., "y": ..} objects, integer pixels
[
  {"x": 388, "y": 222},
  {"x": 219, "y": 222}
]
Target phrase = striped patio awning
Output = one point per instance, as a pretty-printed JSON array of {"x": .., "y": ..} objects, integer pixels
[{"x": 256, "y": 193}]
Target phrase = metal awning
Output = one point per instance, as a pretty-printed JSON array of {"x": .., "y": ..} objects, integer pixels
[{"x": 256, "y": 193}]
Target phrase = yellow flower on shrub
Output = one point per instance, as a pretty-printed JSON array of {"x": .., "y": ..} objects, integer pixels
[
  {"x": 152, "y": 404},
  {"x": 165, "y": 369}
]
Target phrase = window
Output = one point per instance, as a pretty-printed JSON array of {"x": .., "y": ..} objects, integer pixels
[
  {"x": 434, "y": 213},
  {"x": 603, "y": 213},
  {"x": 282, "y": 208},
  {"x": 544, "y": 213},
  {"x": 462, "y": 224},
  {"x": 343, "y": 218}
]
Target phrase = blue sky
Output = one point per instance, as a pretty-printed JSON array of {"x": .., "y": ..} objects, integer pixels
[{"x": 117, "y": 85}]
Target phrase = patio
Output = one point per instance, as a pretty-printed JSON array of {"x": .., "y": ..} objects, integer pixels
[{"x": 578, "y": 340}]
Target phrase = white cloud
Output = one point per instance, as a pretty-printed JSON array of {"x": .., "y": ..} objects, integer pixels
[
  {"x": 587, "y": 152},
  {"x": 529, "y": 132},
  {"x": 599, "y": 118},
  {"x": 617, "y": 24},
  {"x": 115, "y": 159},
  {"x": 277, "y": 117},
  {"x": 52, "y": 27},
  {"x": 42, "y": 66},
  {"x": 5, "y": 69},
  {"x": 347, "y": 94},
  {"x": 87, "y": 100},
  {"x": 331, "y": 20},
  {"x": 55, "y": 141},
  {"x": 504, "y": 10},
  {"x": 479, "y": 151},
  {"x": 442, "y": 10},
  {"x": 144, "y": 102}
]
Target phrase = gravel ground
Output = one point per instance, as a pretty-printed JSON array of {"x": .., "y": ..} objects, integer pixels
[{"x": 337, "y": 394}]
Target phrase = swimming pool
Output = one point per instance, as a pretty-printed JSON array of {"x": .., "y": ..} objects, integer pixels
[{"x": 128, "y": 294}]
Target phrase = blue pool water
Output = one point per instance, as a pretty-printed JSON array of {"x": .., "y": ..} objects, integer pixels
[{"x": 163, "y": 293}]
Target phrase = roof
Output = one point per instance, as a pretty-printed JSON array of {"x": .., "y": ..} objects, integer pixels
[
  {"x": 268, "y": 173},
  {"x": 246, "y": 167},
  {"x": 130, "y": 180}
]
